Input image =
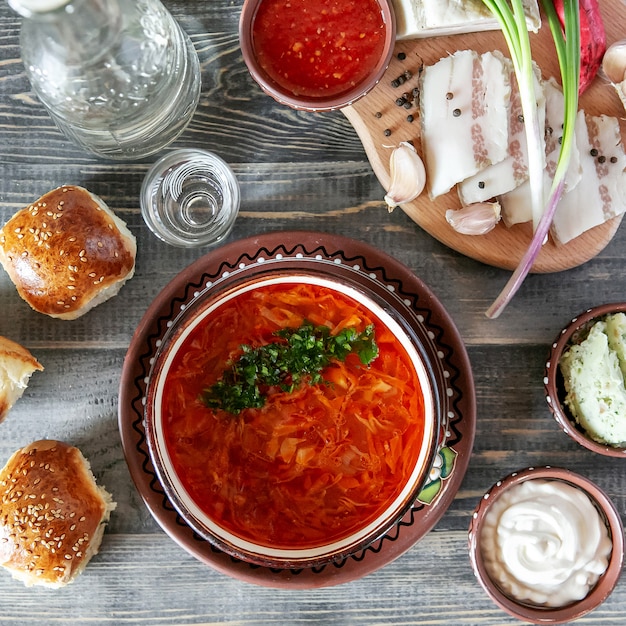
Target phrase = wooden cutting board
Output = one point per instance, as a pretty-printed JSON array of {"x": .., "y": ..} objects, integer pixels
[{"x": 381, "y": 124}]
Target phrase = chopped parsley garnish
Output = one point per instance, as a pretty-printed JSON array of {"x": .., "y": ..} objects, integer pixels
[{"x": 300, "y": 357}]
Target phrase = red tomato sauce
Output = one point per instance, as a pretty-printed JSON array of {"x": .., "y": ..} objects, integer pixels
[
  {"x": 318, "y": 48},
  {"x": 313, "y": 465}
]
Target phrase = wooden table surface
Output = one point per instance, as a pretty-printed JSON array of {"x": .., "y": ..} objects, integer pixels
[{"x": 297, "y": 171}]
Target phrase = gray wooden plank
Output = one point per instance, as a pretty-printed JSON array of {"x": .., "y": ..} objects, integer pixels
[{"x": 147, "y": 579}]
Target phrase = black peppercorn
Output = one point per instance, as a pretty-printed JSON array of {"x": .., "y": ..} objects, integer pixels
[
  {"x": 378, "y": 114},
  {"x": 401, "y": 56},
  {"x": 408, "y": 75},
  {"x": 481, "y": 185},
  {"x": 593, "y": 152},
  {"x": 387, "y": 132},
  {"x": 449, "y": 96},
  {"x": 400, "y": 101},
  {"x": 601, "y": 159},
  {"x": 613, "y": 159},
  {"x": 395, "y": 83},
  {"x": 409, "y": 118},
  {"x": 456, "y": 112}
]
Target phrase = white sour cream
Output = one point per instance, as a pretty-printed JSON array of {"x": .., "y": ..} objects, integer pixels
[{"x": 544, "y": 542}]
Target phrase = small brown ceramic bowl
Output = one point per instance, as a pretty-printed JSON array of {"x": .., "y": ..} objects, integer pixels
[
  {"x": 493, "y": 506},
  {"x": 573, "y": 333},
  {"x": 313, "y": 58}
]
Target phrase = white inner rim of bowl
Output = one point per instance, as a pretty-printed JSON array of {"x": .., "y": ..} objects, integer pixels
[{"x": 392, "y": 509}]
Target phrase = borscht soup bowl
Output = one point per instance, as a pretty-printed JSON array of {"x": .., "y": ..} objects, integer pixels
[
  {"x": 293, "y": 417},
  {"x": 317, "y": 55}
]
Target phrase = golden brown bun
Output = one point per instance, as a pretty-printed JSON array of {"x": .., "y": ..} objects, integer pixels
[
  {"x": 52, "y": 514},
  {"x": 16, "y": 367},
  {"x": 67, "y": 252}
]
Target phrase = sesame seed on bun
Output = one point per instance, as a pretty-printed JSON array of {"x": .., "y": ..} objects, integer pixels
[
  {"x": 52, "y": 513},
  {"x": 67, "y": 252}
]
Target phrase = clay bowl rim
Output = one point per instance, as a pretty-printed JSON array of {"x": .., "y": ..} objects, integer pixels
[
  {"x": 553, "y": 380},
  {"x": 390, "y": 516},
  {"x": 305, "y": 103},
  {"x": 607, "y": 581}
]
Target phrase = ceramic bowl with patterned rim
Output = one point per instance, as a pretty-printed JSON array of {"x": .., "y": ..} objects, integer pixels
[
  {"x": 554, "y": 384},
  {"x": 336, "y": 281},
  {"x": 505, "y": 550}
]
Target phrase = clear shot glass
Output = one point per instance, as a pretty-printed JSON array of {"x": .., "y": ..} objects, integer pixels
[{"x": 190, "y": 198}]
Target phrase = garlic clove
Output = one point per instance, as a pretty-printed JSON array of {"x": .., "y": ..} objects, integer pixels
[
  {"x": 408, "y": 175},
  {"x": 614, "y": 62},
  {"x": 474, "y": 219}
]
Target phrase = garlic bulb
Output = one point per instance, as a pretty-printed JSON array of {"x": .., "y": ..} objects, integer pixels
[
  {"x": 614, "y": 62},
  {"x": 474, "y": 219},
  {"x": 408, "y": 175}
]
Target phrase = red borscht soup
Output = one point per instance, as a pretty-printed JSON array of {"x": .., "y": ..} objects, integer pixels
[{"x": 314, "y": 464}]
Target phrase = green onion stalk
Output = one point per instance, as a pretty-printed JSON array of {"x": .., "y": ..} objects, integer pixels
[{"x": 510, "y": 14}]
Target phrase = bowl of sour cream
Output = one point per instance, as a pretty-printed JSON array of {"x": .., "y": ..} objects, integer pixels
[{"x": 547, "y": 545}]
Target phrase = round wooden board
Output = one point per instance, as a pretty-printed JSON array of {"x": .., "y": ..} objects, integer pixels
[{"x": 503, "y": 247}]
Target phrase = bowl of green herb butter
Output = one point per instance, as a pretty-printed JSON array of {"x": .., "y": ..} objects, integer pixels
[{"x": 585, "y": 379}]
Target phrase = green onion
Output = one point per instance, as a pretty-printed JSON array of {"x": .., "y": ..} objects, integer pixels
[
  {"x": 512, "y": 21},
  {"x": 567, "y": 46}
]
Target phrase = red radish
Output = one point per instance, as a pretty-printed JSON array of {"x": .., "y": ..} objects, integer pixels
[{"x": 592, "y": 39}]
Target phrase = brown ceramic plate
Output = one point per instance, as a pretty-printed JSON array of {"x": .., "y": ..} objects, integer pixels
[
  {"x": 554, "y": 384},
  {"x": 362, "y": 265}
]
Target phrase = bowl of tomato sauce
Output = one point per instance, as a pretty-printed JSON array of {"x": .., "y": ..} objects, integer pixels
[
  {"x": 293, "y": 416},
  {"x": 317, "y": 55}
]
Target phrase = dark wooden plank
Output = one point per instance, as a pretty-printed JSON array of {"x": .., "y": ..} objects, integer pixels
[{"x": 234, "y": 117}]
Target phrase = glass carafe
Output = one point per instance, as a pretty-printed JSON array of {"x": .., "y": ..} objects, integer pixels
[{"x": 118, "y": 77}]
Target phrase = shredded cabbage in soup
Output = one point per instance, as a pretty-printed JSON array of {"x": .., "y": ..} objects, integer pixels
[{"x": 312, "y": 465}]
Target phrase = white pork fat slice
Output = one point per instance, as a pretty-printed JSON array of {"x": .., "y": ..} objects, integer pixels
[
  {"x": 464, "y": 110},
  {"x": 516, "y": 204},
  {"x": 511, "y": 172},
  {"x": 555, "y": 118},
  {"x": 431, "y": 18},
  {"x": 600, "y": 194}
]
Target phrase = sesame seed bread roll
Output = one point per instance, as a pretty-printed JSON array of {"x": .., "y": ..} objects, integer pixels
[
  {"x": 17, "y": 365},
  {"x": 52, "y": 514},
  {"x": 67, "y": 252}
]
